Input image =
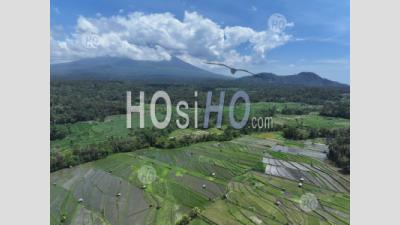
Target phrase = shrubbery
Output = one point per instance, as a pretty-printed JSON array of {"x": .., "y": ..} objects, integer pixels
[
  {"x": 339, "y": 149},
  {"x": 58, "y": 132},
  {"x": 195, "y": 212},
  {"x": 336, "y": 109}
]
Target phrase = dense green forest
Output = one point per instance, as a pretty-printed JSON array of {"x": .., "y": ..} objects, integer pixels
[{"x": 73, "y": 101}]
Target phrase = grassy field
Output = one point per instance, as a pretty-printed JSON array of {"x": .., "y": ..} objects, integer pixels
[
  {"x": 86, "y": 133},
  {"x": 312, "y": 120},
  {"x": 90, "y": 132}
]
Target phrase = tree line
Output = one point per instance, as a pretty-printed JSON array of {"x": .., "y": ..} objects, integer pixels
[
  {"x": 137, "y": 139},
  {"x": 73, "y": 101}
]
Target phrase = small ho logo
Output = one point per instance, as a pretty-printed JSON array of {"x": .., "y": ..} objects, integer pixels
[
  {"x": 147, "y": 174},
  {"x": 91, "y": 40},
  {"x": 308, "y": 202},
  {"x": 277, "y": 22}
]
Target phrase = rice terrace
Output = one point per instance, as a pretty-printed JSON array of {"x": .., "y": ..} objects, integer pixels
[
  {"x": 199, "y": 113},
  {"x": 253, "y": 178}
]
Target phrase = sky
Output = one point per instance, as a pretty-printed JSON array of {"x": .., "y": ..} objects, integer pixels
[{"x": 311, "y": 35}]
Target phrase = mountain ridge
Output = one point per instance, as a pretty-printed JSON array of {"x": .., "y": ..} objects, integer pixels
[
  {"x": 300, "y": 79},
  {"x": 119, "y": 68}
]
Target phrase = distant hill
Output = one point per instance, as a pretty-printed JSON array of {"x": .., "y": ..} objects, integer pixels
[
  {"x": 301, "y": 79},
  {"x": 117, "y": 68},
  {"x": 175, "y": 70}
]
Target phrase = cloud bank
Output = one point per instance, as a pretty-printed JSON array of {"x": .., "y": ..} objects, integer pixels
[{"x": 159, "y": 36}]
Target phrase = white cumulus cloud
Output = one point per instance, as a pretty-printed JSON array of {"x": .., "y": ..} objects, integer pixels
[{"x": 159, "y": 36}]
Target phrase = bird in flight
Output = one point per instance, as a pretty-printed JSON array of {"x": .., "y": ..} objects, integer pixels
[{"x": 233, "y": 70}]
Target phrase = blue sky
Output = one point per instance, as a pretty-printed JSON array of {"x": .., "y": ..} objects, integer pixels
[{"x": 235, "y": 32}]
